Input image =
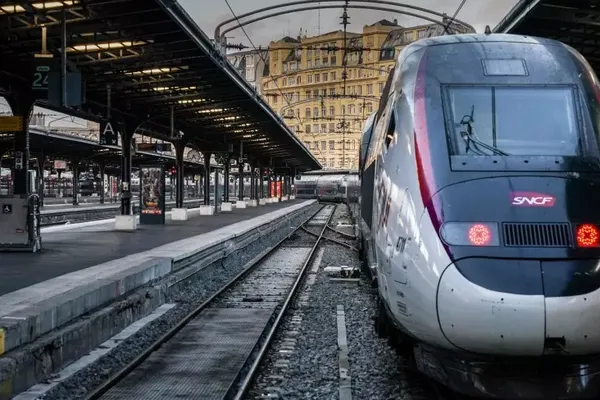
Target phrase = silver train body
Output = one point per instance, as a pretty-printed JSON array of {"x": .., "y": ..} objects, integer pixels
[{"x": 464, "y": 311}]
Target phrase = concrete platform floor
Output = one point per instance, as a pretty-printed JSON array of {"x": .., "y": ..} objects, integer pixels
[{"x": 75, "y": 249}]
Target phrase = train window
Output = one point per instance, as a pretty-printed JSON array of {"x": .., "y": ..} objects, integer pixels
[
  {"x": 390, "y": 130},
  {"x": 519, "y": 121}
]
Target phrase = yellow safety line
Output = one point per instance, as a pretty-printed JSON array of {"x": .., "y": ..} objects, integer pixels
[{"x": 1, "y": 341}]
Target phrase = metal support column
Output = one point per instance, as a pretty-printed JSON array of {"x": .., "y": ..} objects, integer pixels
[
  {"x": 41, "y": 161},
  {"x": 75, "y": 169},
  {"x": 102, "y": 172},
  {"x": 280, "y": 184},
  {"x": 22, "y": 107},
  {"x": 180, "y": 183},
  {"x": 206, "y": 178},
  {"x": 126, "y": 197},
  {"x": 269, "y": 186},
  {"x": 217, "y": 191},
  {"x": 261, "y": 182},
  {"x": 226, "y": 180},
  {"x": 241, "y": 179},
  {"x": 252, "y": 183}
]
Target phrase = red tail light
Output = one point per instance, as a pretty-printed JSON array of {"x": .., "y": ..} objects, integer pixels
[
  {"x": 470, "y": 234},
  {"x": 588, "y": 235}
]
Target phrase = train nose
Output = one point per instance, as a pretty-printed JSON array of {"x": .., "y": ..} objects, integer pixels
[{"x": 480, "y": 320}]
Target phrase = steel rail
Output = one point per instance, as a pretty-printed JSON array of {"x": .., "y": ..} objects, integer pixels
[
  {"x": 244, "y": 386},
  {"x": 332, "y": 240},
  {"x": 137, "y": 361}
]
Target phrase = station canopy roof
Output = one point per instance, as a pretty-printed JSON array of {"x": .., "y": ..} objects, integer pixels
[
  {"x": 573, "y": 22},
  {"x": 154, "y": 58},
  {"x": 69, "y": 148}
]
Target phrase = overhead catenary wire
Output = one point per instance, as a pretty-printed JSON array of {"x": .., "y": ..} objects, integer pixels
[{"x": 265, "y": 62}]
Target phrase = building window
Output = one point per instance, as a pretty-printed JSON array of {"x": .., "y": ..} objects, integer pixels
[
  {"x": 380, "y": 88},
  {"x": 325, "y": 76},
  {"x": 369, "y": 89},
  {"x": 299, "y": 80},
  {"x": 284, "y": 81},
  {"x": 323, "y": 92},
  {"x": 309, "y": 64},
  {"x": 359, "y": 90},
  {"x": 285, "y": 68},
  {"x": 310, "y": 78},
  {"x": 316, "y": 112},
  {"x": 309, "y": 52},
  {"x": 307, "y": 94},
  {"x": 307, "y": 129},
  {"x": 331, "y": 130},
  {"x": 250, "y": 74},
  {"x": 307, "y": 113},
  {"x": 317, "y": 78},
  {"x": 325, "y": 60},
  {"x": 333, "y": 60},
  {"x": 332, "y": 111},
  {"x": 315, "y": 93},
  {"x": 331, "y": 144},
  {"x": 333, "y": 76},
  {"x": 351, "y": 109},
  {"x": 308, "y": 145},
  {"x": 323, "y": 128},
  {"x": 422, "y": 34},
  {"x": 315, "y": 128},
  {"x": 292, "y": 81},
  {"x": 369, "y": 107},
  {"x": 332, "y": 92},
  {"x": 408, "y": 36},
  {"x": 275, "y": 99},
  {"x": 323, "y": 144}
]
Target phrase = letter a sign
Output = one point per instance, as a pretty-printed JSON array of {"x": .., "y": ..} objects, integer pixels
[{"x": 109, "y": 133}]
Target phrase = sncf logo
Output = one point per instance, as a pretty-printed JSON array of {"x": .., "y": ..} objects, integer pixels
[{"x": 532, "y": 199}]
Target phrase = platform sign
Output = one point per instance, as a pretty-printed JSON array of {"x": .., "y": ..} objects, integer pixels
[
  {"x": 41, "y": 74},
  {"x": 109, "y": 133},
  {"x": 152, "y": 195},
  {"x": 11, "y": 124}
]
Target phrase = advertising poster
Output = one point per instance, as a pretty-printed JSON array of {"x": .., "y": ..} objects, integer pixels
[{"x": 152, "y": 195}]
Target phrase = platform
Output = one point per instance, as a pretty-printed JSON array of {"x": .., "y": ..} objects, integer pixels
[{"x": 78, "y": 246}]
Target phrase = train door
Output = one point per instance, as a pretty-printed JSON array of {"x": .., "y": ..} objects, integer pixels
[{"x": 384, "y": 189}]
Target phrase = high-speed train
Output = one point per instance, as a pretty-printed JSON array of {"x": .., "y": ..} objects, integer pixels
[
  {"x": 329, "y": 186},
  {"x": 480, "y": 214}
]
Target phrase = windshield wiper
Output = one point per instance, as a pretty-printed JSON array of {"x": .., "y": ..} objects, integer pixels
[{"x": 469, "y": 135}]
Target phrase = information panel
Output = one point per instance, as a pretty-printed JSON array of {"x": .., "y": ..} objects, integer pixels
[{"x": 152, "y": 195}]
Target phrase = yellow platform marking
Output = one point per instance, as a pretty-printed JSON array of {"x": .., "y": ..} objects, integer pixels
[{"x": 1, "y": 341}]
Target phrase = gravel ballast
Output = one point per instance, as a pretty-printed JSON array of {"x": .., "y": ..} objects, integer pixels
[
  {"x": 312, "y": 371},
  {"x": 206, "y": 282}
]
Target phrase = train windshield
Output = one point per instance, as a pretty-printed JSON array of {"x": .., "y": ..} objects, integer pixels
[{"x": 514, "y": 121}]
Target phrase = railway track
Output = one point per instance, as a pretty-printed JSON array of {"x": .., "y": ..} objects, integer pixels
[{"x": 215, "y": 351}]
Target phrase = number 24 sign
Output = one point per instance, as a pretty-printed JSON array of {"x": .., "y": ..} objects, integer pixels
[{"x": 40, "y": 77}]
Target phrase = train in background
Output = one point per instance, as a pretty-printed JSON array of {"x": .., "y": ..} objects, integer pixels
[
  {"x": 327, "y": 186},
  {"x": 479, "y": 219}
]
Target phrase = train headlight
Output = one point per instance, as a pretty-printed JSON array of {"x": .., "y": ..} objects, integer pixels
[
  {"x": 470, "y": 234},
  {"x": 588, "y": 235}
]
